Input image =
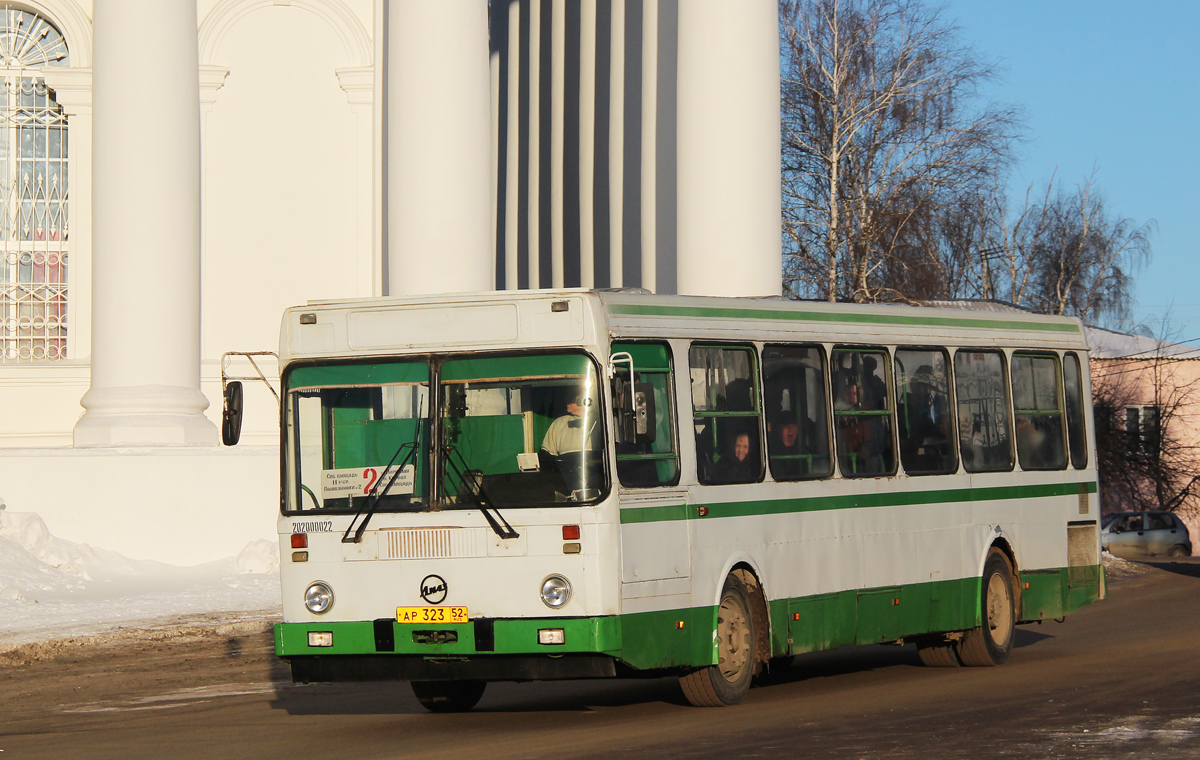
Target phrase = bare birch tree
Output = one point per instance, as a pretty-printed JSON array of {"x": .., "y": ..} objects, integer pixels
[{"x": 881, "y": 129}]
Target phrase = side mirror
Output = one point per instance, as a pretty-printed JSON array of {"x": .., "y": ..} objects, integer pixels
[
  {"x": 231, "y": 414},
  {"x": 643, "y": 421}
]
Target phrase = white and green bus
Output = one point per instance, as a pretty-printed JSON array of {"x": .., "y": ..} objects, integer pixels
[{"x": 585, "y": 484}]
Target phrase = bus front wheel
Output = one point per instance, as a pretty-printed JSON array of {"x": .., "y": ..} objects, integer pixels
[
  {"x": 728, "y": 681},
  {"x": 448, "y": 696},
  {"x": 991, "y": 643}
]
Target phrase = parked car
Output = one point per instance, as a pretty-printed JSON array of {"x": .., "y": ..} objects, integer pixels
[{"x": 1138, "y": 534}]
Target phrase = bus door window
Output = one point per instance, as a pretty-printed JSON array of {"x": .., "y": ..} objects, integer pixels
[
  {"x": 1037, "y": 411},
  {"x": 654, "y": 463},
  {"x": 984, "y": 433},
  {"x": 863, "y": 419},
  {"x": 726, "y": 412},
  {"x": 924, "y": 417},
  {"x": 1073, "y": 395},
  {"x": 797, "y": 412}
]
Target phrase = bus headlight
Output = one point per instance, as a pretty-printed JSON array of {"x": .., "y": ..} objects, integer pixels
[
  {"x": 318, "y": 597},
  {"x": 556, "y": 591}
]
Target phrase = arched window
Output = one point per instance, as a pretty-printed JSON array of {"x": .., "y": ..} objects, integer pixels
[{"x": 33, "y": 192}]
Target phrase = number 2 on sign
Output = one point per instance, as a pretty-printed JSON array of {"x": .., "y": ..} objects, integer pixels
[{"x": 370, "y": 476}]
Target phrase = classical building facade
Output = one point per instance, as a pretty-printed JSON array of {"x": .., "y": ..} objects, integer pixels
[{"x": 174, "y": 173}]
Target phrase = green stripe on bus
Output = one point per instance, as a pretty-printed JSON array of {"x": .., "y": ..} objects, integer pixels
[
  {"x": 818, "y": 316},
  {"x": 852, "y": 501}
]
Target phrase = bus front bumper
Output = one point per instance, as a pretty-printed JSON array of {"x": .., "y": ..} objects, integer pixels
[{"x": 488, "y": 649}]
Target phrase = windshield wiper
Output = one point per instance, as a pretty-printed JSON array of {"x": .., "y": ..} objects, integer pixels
[
  {"x": 475, "y": 488},
  {"x": 375, "y": 494}
]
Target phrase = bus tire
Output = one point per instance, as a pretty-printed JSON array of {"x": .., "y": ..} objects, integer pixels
[
  {"x": 448, "y": 696},
  {"x": 728, "y": 681},
  {"x": 940, "y": 655},
  {"x": 991, "y": 643}
]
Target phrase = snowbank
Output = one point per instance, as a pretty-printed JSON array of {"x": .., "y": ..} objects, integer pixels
[{"x": 51, "y": 588}]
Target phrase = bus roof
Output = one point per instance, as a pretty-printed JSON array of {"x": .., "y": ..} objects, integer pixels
[{"x": 577, "y": 316}]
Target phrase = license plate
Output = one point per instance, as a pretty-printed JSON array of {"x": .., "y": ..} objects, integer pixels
[{"x": 431, "y": 615}]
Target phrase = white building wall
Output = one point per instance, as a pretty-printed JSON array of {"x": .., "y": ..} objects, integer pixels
[{"x": 289, "y": 196}]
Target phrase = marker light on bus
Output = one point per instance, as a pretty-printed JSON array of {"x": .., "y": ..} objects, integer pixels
[
  {"x": 552, "y": 636},
  {"x": 320, "y": 638},
  {"x": 318, "y": 597},
  {"x": 299, "y": 540},
  {"x": 570, "y": 532},
  {"x": 556, "y": 591}
]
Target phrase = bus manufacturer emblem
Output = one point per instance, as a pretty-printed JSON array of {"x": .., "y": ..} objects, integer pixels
[{"x": 433, "y": 589}]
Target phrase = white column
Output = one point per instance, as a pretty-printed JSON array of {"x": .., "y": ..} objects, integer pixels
[
  {"x": 587, "y": 143},
  {"x": 534, "y": 183},
  {"x": 512, "y": 177},
  {"x": 616, "y": 148},
  {"x": 145, "y": 387},
  {"x": 494, "y": 146},
  {"x": 649, "y": 145},
  {"x": 728, "y": 148},
  {"x": 558, "y": 116},
  {"x": 438, "y": 130}
]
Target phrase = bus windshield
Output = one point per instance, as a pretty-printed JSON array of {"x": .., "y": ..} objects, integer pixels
[
  {"x": 359, "y": 431},
  {"x": 520, "y": 431},
  {"x": 514, "y": 431}
]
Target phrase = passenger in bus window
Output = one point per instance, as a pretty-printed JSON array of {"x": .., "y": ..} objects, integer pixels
[
  {"x": 926, "y": 441},
  {"x": 740, "y": 465},
  {"x": 874, "y": 392},
  {"x": 847, "y": 393},
  {"x": 1039, "y": 442},
  {"x": 788, "y": 442}
]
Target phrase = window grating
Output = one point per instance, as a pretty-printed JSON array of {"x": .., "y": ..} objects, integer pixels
[{"x": 33, "y": 193}]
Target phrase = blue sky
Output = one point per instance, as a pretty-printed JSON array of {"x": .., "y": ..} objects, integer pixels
[{"x": 1113, "y": 86}]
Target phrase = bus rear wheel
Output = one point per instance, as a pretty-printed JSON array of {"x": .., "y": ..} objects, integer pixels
[
  {"x": 991, "y": 643},
  {"x": 728, "y": 681},
  {"x": 448, "y": 696}
]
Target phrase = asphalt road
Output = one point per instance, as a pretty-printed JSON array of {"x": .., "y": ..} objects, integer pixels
[{"x": 1119, "y": 679}]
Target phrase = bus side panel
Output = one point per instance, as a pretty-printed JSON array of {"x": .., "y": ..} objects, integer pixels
[
  {"x": 670, "y": 638},
  {"x": 1044, "y": 597},
  {"x": 869, "y": 616},
  {"x": 815, "y": 623}
]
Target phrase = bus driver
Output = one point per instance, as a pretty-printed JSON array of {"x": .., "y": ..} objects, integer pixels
[{"x": 571, "y": 438}]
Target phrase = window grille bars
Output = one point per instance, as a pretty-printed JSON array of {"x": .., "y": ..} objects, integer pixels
[{"x": 33, "y": 193}]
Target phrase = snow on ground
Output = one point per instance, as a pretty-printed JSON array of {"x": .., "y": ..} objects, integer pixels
[
  {"x": 1115, "y": 567},
  {"x": 52, "y": 589}
]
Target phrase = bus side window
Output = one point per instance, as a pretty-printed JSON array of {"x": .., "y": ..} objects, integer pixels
[
  {"x": 1037, "y": 411},
  {"x": 795, "y": 396},
  {"x": 923, "y": 414},
  {"x": 644, "y": 465},
  {"x": 862, "y": 417},
  {"x": 726, "y": 412},
  {"x": 1073, "y": 395},
  {"x": 984, "y": 432}
]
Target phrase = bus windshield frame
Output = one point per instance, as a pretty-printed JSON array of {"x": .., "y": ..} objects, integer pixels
[{"x": 505, "y": 428}]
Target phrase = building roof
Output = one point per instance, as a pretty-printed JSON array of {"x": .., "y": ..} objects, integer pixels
[{"x": 1109, "y": 344}]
